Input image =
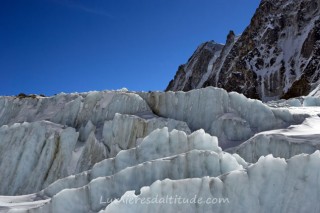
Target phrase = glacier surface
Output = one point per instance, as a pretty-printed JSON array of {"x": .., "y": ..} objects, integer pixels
[
  {"x": 270, "y": 185},
  {"x": 92, "y": 152}
]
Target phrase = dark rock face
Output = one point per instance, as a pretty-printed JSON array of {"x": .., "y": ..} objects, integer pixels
[
  {"x": 277, "y": 56},
  {"x": 190, "y": 74}
]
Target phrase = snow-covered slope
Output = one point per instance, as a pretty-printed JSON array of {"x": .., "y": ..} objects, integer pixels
[
  {"x": 80, "y": 152},
  {"x": 315, "y": 92},
  {"x": 277, "y": 56}
]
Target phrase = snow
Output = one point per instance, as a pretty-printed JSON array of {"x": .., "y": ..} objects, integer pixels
[
  {"x": 6, "y": 206},
  {"x": 189, "y": 68},
  {"x": 299, "y": 103},
  {"x": 315, "y": 92},
  {"x": 224, "y": 53},
  {"x": 206, "y": 76},
  {"x": 304, "y": 111}
]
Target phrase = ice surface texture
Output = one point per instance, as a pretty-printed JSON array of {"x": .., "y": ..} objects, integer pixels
[
  {"x": 80, "y": 152},
  {"x": 231, "y": 117},
  {"x": 270, "y": 185}
]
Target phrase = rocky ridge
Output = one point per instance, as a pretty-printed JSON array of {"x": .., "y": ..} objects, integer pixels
[{"x": 277, "y": 56}]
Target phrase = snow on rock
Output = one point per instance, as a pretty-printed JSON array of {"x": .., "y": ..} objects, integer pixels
[
  {"x": 231, "y": 117},
  {"x": 315, "y": 92},
  {"x": 33, "y": 155},
  {"x": 198, "y": 68},
  {"x": 270, "y": 185},
  {"x": 283, "y": 143},
  {"x": 277, "y": 55}
]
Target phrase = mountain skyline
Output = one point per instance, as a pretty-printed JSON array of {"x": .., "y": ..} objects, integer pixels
[{"x": 54, "y": 46}]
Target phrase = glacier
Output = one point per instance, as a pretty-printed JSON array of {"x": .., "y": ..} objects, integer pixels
[
  {"x": 231, "y": 117},
  {"x": 33, "y": 155},
  {"x": 284, "y": 143},
  {"x": 270, "y": 185},
  {"x": 94, "y": 151}
]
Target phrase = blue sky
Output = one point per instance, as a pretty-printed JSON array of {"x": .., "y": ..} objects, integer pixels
[{"x": 52, "y": 46}]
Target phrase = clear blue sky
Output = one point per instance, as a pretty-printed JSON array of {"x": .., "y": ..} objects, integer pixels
[{"x": 52, "y": 46}]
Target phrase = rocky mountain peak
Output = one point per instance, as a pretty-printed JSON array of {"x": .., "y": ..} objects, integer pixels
[
  {"x": 191, "y": 73},
  {"x": 230, "y": 37},
  {"x": 277, "y": 55}
]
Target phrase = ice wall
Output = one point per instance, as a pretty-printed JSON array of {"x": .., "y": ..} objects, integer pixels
[
  {"x": 231, "y": 117},
  {"x": 74, "y": 152},
  {"x": 270, "y": 185},
  {"x": 32, "y": 155},
  {"x": 284, "y": 143}
]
